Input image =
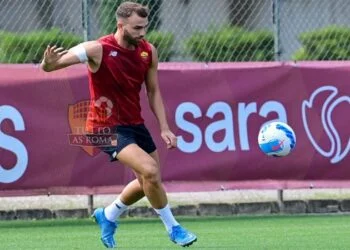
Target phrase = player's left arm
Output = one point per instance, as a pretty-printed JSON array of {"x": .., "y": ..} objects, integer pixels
[{"x": 156, "y": 101}]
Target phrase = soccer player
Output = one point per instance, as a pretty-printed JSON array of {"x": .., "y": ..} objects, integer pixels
[{"x": 118, "y": 64}]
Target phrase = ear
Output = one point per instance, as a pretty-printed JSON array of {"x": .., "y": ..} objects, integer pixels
[{"x": 120, "y": 25}]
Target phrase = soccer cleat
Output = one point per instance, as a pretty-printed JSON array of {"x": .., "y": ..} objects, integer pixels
[
  {"x": 181, "y": 236},
  {"x": 107, "y": 228}
]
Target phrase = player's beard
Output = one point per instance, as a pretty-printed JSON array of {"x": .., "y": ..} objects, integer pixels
[{"x": 130, "y": 39}]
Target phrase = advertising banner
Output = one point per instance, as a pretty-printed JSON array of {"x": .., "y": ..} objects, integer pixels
[{"x": 216, "y": 111}]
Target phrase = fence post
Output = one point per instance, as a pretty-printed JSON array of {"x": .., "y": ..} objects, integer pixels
[
  {"x": 90, "y": 203},
  {"x": 280, "y": 200},
  {"x": 86, "y": 6},
  {"x": 276, "y": 5}
]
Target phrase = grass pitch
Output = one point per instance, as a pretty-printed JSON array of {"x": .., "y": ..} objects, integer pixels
[{"x": 328, "y": 232}]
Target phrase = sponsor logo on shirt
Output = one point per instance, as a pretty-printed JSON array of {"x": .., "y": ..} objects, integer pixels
[{"x": 113, "y": 53}]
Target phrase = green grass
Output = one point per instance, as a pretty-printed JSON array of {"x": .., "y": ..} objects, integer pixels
[{"x": 255, "y": 233}]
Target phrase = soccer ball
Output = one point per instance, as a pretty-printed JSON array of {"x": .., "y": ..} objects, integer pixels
[{"x": 276, "y": 139}]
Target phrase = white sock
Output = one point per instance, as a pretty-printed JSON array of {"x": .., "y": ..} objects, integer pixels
[
  {"x": 167, "y": 217},
  {"x": 114, "y": 210}
]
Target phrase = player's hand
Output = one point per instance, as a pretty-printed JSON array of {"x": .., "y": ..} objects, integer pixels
[
  {"x": 53, "y": 54},
  {"x": 169, "y": 138}
]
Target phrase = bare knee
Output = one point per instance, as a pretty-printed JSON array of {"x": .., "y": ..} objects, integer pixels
[
  {"x": 140, "y": 180},
  {"x": 151, "y": 173}
]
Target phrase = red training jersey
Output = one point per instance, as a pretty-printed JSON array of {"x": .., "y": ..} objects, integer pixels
[{"x": 115, "y": 87}]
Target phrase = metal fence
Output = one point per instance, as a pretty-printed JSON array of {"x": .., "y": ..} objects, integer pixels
[{"x": 186, "y": 30}]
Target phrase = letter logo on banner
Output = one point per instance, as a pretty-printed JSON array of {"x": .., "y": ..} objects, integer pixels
[
  {"x": 189, "y": 107},
  {"x": 14, "y": 145},
  {"x": 225, "y": 124},
  {"x": 335, "y": 152}
]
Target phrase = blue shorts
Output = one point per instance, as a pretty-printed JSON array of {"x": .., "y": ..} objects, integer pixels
[{"x": 126, "y": 135}]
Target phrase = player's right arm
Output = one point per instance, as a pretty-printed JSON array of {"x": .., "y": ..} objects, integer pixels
[{"x": 58, "y": 58}]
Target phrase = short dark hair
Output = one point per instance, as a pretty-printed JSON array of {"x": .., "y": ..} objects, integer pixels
[{"x": 126, "y": 9}]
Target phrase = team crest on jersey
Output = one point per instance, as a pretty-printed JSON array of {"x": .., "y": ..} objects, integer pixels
[{"x": 144, "y": 55}]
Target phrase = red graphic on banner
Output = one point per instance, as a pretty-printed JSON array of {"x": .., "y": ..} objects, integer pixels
[{"x": 77, "y": 115}]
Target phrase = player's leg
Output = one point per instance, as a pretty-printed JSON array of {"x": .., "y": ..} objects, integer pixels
[
  {"x": 148, "y": 171},
  {"x": 106, "y": 217},
  {"x": 177, "y": 233},
  {"x": 131, "y": 193}
]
